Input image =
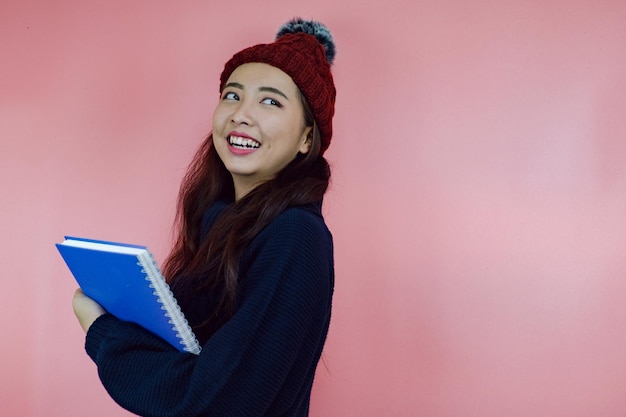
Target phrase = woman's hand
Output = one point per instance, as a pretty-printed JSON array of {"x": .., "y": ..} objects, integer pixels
[{"x": 86, "y": 309}]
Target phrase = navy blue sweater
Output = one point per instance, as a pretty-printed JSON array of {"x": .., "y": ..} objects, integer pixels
[{"x": 261, "y": 362}]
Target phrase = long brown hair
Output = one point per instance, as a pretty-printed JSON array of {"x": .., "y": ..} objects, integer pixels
[{"x": 213, "y": 263}]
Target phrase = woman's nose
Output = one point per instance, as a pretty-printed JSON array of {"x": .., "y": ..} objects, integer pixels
[{"x": 242, "y": 114}]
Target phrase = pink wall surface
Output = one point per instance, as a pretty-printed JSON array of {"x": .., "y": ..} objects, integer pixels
[{"x": 478, "y": 203}]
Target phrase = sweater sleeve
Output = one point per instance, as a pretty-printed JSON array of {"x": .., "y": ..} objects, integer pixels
[{"x": 260, "y": 363}]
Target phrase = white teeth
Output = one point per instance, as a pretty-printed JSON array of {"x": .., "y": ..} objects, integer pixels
[{"x": 243, "y": 142}]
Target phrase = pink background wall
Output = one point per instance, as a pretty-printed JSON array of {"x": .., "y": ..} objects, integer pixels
[{"x": 478, "y": 204}]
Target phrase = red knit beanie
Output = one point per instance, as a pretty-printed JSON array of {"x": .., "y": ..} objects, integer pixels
[{"x": 304, "y": 50}]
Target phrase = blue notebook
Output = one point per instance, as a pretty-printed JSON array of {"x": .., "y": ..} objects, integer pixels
[{"x": 127, "y": 282}]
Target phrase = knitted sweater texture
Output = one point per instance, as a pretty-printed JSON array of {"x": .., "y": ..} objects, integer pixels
[{"x": 261, "y": 362}]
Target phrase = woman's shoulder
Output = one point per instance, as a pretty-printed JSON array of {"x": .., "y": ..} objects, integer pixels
[
  {"x": 300, "y": 219},
  {"x": 297, "y": 242},
  {"x": 297, "y": 226}
]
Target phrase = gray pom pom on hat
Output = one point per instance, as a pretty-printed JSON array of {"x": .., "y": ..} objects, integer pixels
[{"x": 312, "y": 27}]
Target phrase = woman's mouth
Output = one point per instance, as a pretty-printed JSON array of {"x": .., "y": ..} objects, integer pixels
[{"x": 243, "y": 143}]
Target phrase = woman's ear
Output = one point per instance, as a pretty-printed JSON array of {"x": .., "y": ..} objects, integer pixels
[{"x": 307, "y": 139}]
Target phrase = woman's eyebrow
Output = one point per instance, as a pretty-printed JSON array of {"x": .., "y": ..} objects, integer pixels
[
  {"x": 274, "y": 90},
  {"x": 235, "y": 85},
  {"x": 266, "y": 89}
]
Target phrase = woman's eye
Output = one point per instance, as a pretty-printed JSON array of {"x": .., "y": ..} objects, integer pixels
[
  {"x": 271, "y": 102},
  {"x": 230, "y": 96}
]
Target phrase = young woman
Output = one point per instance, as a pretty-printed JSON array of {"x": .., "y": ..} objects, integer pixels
[{"x": 252, "y": 267}]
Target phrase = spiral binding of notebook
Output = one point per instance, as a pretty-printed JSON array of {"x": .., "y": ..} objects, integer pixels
[{"x": 168, "y": 303}]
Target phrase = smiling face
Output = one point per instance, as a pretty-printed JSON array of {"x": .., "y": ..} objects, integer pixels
[{"x": 258, "y": 125}]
